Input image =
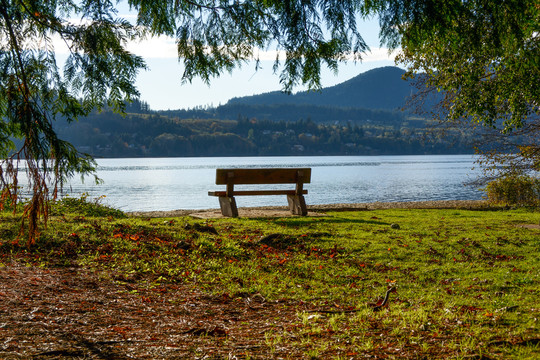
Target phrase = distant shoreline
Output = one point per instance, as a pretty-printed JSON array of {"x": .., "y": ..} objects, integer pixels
[{"x": 272, "y": 211}]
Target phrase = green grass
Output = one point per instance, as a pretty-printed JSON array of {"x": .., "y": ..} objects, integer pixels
[{"x": 467, "y": 281}]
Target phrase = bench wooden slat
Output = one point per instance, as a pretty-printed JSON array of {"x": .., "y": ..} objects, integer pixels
[
  {"x": 256, "y": 192},
  {"x": 264, "y": 176}
]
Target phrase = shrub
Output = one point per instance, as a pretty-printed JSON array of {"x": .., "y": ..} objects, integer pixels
[
  {"x": 85, "y": 207},
  {"x": 514, "y": 190}
]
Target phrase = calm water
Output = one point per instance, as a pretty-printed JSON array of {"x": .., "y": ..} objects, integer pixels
[{"x": 183, "y": 183}]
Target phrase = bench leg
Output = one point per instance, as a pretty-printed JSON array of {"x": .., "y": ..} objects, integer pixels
[
  {"x": 228, "y": 206},
  {"x": 297, "y": 204}
]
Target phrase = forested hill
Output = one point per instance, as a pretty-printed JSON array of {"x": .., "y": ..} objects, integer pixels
[
  {"x": 377, "y": 96},
  {"x": 149, "y": 134},
  {"x": 358, "y": 117},
  {"x": 296, "y": 112},
  {"x": 381, "y": 88}
]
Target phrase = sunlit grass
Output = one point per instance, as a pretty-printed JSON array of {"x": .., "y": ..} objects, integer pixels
[{"x": 467, "y": 281}]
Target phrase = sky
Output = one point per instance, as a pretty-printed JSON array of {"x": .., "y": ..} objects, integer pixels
[{"x": 162, "y": 88}]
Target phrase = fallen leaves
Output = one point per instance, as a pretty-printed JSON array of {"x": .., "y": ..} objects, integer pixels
[{"x": 74, "y": 312}]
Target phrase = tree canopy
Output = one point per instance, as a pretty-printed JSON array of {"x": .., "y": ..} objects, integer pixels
[
  {"x": 218, "y": 35},
  {"x": 483, "y": 55},
  {"x": 35, "y": 92}
]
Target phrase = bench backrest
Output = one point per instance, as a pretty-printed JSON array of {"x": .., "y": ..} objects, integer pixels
[{"x": 263, "y": 176}]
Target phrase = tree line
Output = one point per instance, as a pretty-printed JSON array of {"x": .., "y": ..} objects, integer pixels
[
  {"x": 150, "y": 134},
  {"x": 293, "y": 112}
]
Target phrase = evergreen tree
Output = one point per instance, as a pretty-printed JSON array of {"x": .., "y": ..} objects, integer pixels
[{"x": 484, "y": 56}]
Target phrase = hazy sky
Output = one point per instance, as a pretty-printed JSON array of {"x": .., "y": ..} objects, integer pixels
[{"x": 161, "y": 86}]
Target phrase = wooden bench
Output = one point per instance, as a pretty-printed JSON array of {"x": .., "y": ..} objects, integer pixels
[{"x": 231, "y": 177}]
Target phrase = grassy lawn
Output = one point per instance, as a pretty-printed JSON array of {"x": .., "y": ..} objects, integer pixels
[{"x": 467, "y": 285}]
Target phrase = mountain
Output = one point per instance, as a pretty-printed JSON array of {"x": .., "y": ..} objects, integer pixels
[
  {"x": 381, "y": 88},
  {"x": 375, "y": 97},
  {"x": 357, "y": 117}
]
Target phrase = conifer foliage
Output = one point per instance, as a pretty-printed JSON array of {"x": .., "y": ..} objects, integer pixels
[
  {"x": 35, "y": 92},
  {"x": 484, "y": 56}
]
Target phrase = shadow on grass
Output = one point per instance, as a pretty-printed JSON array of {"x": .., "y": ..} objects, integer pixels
[{"x": 296, "y": 222}]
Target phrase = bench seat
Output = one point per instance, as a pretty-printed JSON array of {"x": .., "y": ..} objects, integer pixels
[{"x": 256, "y": 192}]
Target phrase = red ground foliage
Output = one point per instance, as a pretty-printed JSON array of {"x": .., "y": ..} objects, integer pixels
[{"x": 72, "y": 313}]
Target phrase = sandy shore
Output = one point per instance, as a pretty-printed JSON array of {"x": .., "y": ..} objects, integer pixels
[{"x": 318, "y": 210}]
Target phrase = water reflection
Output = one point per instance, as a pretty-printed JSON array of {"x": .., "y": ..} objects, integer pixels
[{"x": 183, "y": 183}]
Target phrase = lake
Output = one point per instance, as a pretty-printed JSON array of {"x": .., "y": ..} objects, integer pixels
[{"x": 146, "y": 184}]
